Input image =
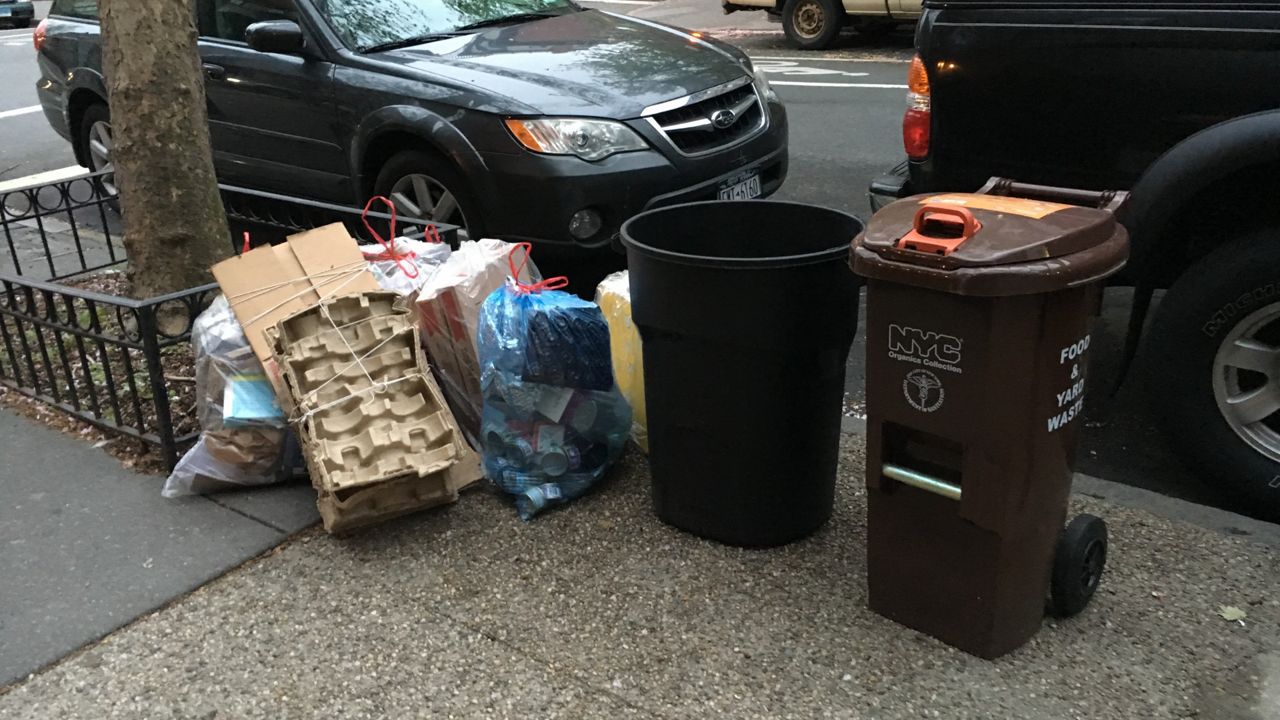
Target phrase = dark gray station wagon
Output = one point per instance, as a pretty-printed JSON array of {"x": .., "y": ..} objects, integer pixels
[{"x": 520, "y": 119}]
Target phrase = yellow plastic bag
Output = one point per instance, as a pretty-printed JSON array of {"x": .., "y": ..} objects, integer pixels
[{"x": 614, "y": 298}]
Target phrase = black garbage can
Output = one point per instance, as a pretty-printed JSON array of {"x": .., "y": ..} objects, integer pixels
[{"x": 746, "y": 312}]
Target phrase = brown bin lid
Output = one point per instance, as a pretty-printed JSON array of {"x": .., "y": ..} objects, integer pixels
[{"x": 989, "y": 245}]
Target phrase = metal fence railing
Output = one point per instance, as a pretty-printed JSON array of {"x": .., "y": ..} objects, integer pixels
[{"x": 103, "y": 358}]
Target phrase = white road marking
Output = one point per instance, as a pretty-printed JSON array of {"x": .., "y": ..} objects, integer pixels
[
  {"x": 782, "y": 67},
  {"x": 15, "y": 34},
  {"x": 64, "y": 173},
  {"x": 20, "y": 111},
  {"x": 796, "y": 83},
  {"x": 789, "y": 69},
  {"x": 623, "y": 2},
  {"x": 828, "y": 59}
]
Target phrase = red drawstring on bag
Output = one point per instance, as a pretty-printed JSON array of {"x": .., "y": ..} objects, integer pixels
[
  {"x": 409, "y": 269},
  {"x": 556, "y": 283}
]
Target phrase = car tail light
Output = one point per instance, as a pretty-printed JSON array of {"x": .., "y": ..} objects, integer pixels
[
  {"x": 37, "y": 37},
  {"x": 916, "y": 121}
]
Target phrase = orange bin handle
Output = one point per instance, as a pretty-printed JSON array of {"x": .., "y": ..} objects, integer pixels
[{"x": 918, "y": 241}]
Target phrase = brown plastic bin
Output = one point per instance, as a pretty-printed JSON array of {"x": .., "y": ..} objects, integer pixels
[{"x": 978, "y": 316}]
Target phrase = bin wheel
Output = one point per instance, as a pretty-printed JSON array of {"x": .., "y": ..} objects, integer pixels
[{"x": 1077, "y": 565}]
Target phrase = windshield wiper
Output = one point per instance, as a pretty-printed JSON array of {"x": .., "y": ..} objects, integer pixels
[
  {"x": 516, "y": 17},
  {"x": 406, "y": 42}
]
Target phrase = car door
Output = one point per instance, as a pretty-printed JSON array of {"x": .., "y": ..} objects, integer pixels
[
  {"x": 905, "y": 9},
  {"x": 270, "y": 114}
]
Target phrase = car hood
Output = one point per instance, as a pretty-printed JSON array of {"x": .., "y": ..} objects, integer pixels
[{"x": 587, "y": 63}]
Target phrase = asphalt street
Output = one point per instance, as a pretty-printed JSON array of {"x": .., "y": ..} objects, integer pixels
[{"x": 845, "y": 107}]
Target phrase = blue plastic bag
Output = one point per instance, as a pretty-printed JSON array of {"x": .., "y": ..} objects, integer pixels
[{"x": 553, "y": 419}]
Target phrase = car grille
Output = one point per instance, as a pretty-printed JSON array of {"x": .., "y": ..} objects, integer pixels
[{"x": 692, "y": 128}]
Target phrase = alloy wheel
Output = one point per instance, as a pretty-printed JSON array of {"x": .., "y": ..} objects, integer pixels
[
  {"x": 100, "y": 146},
  {"x": 423, "y": 197},
  {"x": 1246, "y": 380},
  {"x": 809, "y": 19}
]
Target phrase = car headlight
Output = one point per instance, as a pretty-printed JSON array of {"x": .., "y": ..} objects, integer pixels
[
  {"x": 762, "y": 85},
  {"x": 588, "y": 139}
]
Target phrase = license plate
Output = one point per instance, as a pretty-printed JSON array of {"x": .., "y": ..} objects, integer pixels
[{"x": 741, "y": 188}]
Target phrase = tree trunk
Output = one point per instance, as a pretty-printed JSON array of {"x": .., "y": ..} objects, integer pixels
[{"x": 174, "y": 225}]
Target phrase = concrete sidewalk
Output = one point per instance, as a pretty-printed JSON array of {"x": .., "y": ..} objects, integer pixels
[
  {"x": 599, "y": 610},
  {"x": 88, "y": 546}
]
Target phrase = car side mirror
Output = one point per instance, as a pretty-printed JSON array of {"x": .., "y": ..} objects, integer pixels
[{"x": 275, "y": 36}]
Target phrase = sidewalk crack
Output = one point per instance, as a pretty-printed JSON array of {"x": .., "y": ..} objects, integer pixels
[{"x": 244, "y": 514}]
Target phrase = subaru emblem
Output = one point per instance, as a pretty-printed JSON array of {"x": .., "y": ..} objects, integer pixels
[{"x": 723, "y": 118}]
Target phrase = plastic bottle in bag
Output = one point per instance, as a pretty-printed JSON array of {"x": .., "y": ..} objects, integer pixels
[{"x": 553, "y": 419}]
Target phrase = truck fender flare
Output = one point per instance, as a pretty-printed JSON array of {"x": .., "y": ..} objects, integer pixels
[
  {"x": 433, "y": 129},
  {"x": 1173, "y": 181}
]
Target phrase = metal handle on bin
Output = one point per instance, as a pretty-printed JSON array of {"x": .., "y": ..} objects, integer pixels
[
  {"x": 1109, "y": 200},
  {"x": 919, "y": 480}
]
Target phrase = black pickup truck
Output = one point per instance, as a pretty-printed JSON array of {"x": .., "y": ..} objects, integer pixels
[{"x": 1176, "y": 101}]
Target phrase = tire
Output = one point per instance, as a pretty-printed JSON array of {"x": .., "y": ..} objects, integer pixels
[
  {"x": 438, "y": 170},
  {"x": 1212, "y": 305},
  {"x": 812, "y": 24},
  {"x": 92, "y": 115},
  {"x": 1077, "y": 565},
  {"x": 23, "y": 23}
]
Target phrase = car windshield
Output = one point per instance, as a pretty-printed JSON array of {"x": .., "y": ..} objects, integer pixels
[{"x": 372, "y": 24}]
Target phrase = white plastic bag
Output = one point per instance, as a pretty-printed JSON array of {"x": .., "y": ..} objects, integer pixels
[{"x": 424, "y": 257}]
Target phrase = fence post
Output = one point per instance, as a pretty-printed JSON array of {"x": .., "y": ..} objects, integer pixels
[{"x": 149, "y": 329}]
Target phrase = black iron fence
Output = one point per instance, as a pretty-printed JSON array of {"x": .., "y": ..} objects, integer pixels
[{"x": 67, "y": 341}]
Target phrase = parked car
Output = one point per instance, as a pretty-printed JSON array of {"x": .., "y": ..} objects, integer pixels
[
  {"x": 1131, "y": 96},
  {"x": 16, "y": 14},
  {"x": 815, "y": 24},
  {"x": 518, "y": 119}
]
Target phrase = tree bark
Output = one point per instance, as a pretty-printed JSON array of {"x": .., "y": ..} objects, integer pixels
[{"x": 175, "y": 227}]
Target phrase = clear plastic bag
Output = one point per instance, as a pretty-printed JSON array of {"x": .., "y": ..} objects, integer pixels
[
  {"x": 244, "y": 431},
  {"x": 424, "y": 257},
  {"x": 554, "y": 420},
  {"x": 613, "y": 295}
]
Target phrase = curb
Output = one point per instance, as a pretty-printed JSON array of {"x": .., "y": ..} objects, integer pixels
[
  {"x": 740, "y": 31},
  {"x": 1223, "y": 522},
  {"x": 1219, "y": 521}
]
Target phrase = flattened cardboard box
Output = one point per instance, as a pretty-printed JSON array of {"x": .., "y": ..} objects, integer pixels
[
  {"x": 273, "y": 282},
  {"x": 377, "y": 434}
]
